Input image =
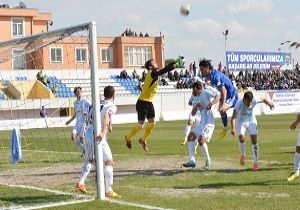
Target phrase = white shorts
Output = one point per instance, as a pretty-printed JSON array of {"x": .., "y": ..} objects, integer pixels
[
  {"x": 250, "y": 127},
  {"x": 89, "y": 146},
  {"x": 298, "y": 140},
  {"x": 205, "y": 130}
]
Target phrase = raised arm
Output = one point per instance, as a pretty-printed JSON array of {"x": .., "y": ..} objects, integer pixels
[{"x": 268, "y": 103}]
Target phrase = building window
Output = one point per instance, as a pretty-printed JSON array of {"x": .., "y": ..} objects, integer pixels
[
  {"x": 17, "y": 27},
  {"x": 137, "y": 56},
  {"x": 81, "y": 55},
  {"x": 56, "y": 55},
  {"x": 106, "y": 55},
  {"x": 18, "y": 59}
]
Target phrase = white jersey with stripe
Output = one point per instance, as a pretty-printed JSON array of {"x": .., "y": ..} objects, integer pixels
[
  {"x": 245, "y": 113},
  {"x": 206, "y": 97},
  {"x": 81, "y": 107}
]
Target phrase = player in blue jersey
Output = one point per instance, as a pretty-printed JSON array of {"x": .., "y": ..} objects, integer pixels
[
  {"x": 229, "y": 95},
  {"x": 243, "y": 120}
]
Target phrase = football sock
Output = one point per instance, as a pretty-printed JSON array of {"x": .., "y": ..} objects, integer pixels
[
  {"x": 147, "y": 132},
  {"x": 85, "y": 172},
  {"x": 297, "y": 162},
  {"x": 134, "y": 130},
  {"x": 255, "y": 150},
  {"x": 192, "y": 151},
  {"x": 224, "y": 119},
  {"x": 109, "y": 177},
  {"x": 242, "y": 148},
  {"x": 204, "y": 148},
  {"x": 187, "y": 131}
]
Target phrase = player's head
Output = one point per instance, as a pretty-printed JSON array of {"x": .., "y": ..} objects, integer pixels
[
  {"x": 205, "y": 67},
  {"x": 248, "y": 97},
  {"x": 151, "y": 64},
  {"x": 109, "y": 92},
  {"x": 197, "y": 88},
  {"x": 78, "y": 91}
]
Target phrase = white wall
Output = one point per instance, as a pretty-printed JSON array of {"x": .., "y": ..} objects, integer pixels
[{"x": 168, "y": 106}]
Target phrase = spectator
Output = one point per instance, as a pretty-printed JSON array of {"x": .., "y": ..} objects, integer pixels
[
  {"x": 135, "y": 75},
  {"x": 54, "y": 88},
  {"x": 176, "y": 75},
  {"x": 146, "y": 35},
  {"x": 124, "y": 74},
  {"x": 39, "y": 75},
  {"x": 43, "y": 112},
  {"x": 220, "y": 66},
  {"x": 143, "y": 75},
  {"x": 194, "y": 68}
]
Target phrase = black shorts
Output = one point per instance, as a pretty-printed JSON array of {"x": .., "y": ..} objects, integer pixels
[{"x": 145, "y": 109}]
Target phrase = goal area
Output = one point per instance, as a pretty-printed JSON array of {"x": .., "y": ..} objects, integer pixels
[{"x": 39, "y": 163}]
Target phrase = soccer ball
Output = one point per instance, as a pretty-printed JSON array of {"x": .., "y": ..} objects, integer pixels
[{"x": 185, "y": 10}]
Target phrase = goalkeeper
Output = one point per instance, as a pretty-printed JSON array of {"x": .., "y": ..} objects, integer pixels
[{"x": 144, "y": 105}]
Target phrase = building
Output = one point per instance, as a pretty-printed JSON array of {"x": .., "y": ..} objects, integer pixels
[{"x": 113, "y": 52}]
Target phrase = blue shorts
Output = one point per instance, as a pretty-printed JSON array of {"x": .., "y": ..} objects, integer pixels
[{"x": 232, "y": 100}]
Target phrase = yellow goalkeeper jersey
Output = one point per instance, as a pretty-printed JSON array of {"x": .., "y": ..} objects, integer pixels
[{"x": 150, "y": 88}]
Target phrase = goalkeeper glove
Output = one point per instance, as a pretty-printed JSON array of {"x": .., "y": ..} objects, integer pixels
[{"x": 179, "y": 62}]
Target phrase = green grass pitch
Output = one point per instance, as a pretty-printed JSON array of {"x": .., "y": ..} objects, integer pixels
[{"x": 156, "y": 178}]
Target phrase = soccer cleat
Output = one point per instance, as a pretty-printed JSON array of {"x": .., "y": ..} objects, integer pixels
[
  {"x": 128, "y": 142},
  {"x": 81, "y": 188},
  {"x": 189, "y": 164},
  {"x": 144, "y": 145},
  {"x": 208, "y": 165},
  {"x": 255, "y": 167},
  {"x": 112, "y": 194},
  {"x": 183, "y": 143},
  {"x": 293, "y": 176},
  {"x": 223, "y": 133},
  {"x": 242, "y": 160}
]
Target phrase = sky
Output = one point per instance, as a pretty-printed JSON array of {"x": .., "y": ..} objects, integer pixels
[{"x": 254, "y": 25}]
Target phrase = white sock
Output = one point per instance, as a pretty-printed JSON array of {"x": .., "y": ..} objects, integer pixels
[
  {"x": 187, "y": 131},
  {"x": 204, "y": 148},
  {"x": 196, "y": 145},
  {"x": 297, "y": 162},
  {"x": 85, "y": 172},
  {"x": 192, "y": 150},
  {"x": 255, "y": 150},
  {"x": 109, "y": 177},
  {"x": 242, "y": 148}
]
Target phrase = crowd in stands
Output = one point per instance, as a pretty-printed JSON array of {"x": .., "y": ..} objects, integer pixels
[
  {"x": 129, "y": 32},
  {"x": 267, "y": 80}
]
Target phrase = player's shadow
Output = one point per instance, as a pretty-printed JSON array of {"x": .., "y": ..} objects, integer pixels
[
  {"x": 148, "y": 172},
  {"x": 232, "y": 184}
]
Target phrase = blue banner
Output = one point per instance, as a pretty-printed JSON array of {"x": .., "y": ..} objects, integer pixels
[{"x": 242, "y": 60}]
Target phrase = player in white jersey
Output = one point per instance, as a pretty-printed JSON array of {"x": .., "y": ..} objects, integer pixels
[
  {"x": 295, "y": 173},
  {"x": 107, "y": 110},
  {"x": 81, "y": 107},
  {"x": 204, "y": 130},
  {"x": 194, "y": 117},
  {"x": 243, "y": 119}
]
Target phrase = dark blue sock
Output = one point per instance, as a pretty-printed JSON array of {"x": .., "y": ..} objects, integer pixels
[{"x": 224, "y": 119}]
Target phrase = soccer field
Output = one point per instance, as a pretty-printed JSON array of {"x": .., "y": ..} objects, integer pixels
[{"x": 157, "y": 178}]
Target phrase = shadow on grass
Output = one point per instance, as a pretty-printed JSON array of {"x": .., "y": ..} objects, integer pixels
[
  {"x": 148, "y": 172},
  {"x": 233, "y": 184},
  {"x": 31, "y": 200}
]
